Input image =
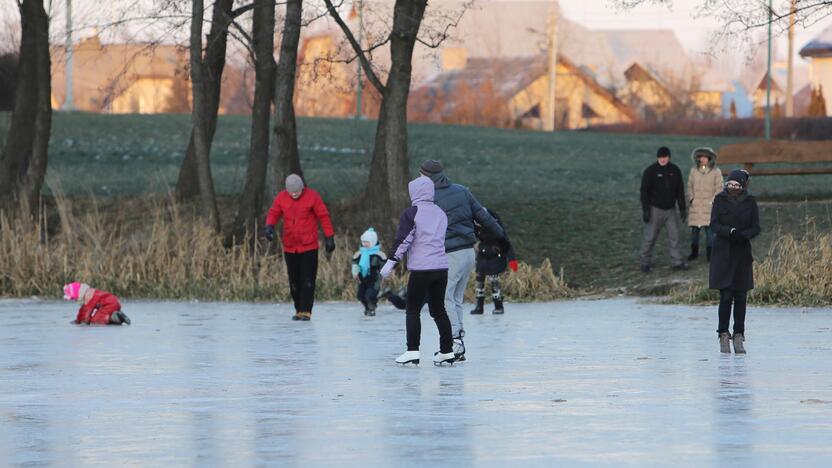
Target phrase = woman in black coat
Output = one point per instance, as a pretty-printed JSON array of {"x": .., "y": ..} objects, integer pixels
[{"x": 735, "y": 220}]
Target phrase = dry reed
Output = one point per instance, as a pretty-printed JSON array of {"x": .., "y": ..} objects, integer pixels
[
  {"x": 796, "y": 272},
  {"x": 169, "y": 254}
]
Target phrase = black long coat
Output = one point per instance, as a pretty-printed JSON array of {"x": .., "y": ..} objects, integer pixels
[{"x": 731, "y": 259}]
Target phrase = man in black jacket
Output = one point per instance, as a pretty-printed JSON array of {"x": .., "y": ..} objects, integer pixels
[
  {"x": 462, "y": 209},
  {"x": 662, "y": 188}
]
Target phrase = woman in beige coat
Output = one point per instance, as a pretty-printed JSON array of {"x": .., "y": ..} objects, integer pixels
[{"x": 704, "y": 182}]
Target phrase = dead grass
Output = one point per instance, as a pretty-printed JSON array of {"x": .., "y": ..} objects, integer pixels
[
  {"x": 168, "y": 254},
  {"x": 796, "y": 272}
]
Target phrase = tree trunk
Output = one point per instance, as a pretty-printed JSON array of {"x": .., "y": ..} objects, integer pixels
[
  {"x": 20, "y": 137},
  {"x": 187, "y": 186},
  {"x": 199, "y": 116},
  {"x": 285, "y": 158},
  {"x": 33, "y": 181},
  {"x": 390, "y": 166},
  {"x": 251, "y": 201}
]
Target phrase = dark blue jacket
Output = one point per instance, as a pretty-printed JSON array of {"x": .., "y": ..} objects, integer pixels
[{"x": 462, "y": 209}]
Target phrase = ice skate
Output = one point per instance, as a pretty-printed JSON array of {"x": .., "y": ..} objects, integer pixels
[
  {"x": 410, "y": 357},
  {"x": 478, "y": 310},
  {"x": 459, "y": 346},
  {"x": 738, "y": 346},
  {"x": 498, "y": 307},
  {"x": 440, "y": 359},
  {"x": 724, "y": 343},
  {"x": 369, "y": 312}
]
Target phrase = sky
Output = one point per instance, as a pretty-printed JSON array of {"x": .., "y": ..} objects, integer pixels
[{"x": 693, "y": 32}]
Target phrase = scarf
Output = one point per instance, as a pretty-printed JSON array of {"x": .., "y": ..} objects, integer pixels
[{"x": 364, "y": 261}]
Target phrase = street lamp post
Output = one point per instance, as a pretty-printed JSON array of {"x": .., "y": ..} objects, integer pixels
[
  {"x": 68, "y": 102},
  {"x": 768, "y": 78}
]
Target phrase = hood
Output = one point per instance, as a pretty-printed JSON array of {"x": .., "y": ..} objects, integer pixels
[
  {"x": 440, "y": 180},
  {"x": 709, "y": 152},
  {"x": 421, "y": 190}
]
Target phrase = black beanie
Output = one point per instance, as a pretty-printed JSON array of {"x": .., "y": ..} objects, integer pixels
[
  {"x": 431, "y": 167},
  {"x": 739, "y": 175},
  {"x": 663, "y": 151}
]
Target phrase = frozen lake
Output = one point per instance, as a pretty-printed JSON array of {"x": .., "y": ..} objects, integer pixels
[{"x": 606, "y": 382}]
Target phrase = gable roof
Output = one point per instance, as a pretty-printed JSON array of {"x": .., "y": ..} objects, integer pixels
[
  {"x": 820, "y": 46},
  {"x": 509, "y": 76},
  {"x": 509, "y": 29}
]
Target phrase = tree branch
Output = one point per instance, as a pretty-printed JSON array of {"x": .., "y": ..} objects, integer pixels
[{"x": 362, "y": 57}]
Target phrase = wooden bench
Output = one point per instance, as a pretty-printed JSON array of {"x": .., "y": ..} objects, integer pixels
[{"x": 778, "y": 152}]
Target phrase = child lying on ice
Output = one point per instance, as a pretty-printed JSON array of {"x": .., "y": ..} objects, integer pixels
[{"x": 97, "y": 307}]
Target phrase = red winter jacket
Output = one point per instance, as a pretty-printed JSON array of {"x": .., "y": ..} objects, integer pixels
[
  {"x": 300, "y": 220},
  {"x": 98, "y": 309}
]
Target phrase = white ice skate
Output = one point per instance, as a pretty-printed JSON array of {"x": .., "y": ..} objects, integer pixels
[
  {"x": 440, "y": 359},
  {"x": 410, "y": 357}
]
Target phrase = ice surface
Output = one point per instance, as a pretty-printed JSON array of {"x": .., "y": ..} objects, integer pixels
[{"x": 612, "y": 382}]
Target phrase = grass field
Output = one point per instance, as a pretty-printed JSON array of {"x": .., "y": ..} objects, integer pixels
[{"x": 571, "y": 197}]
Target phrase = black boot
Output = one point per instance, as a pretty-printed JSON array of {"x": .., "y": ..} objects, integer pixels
[
  {"x": 478, "y": 310},
  {"x": 708, "y": 253},
  {"x": 694, "y": 252},
  {"x": 498, "y": 307}
]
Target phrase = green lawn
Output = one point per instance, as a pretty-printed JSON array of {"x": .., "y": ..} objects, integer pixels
[{"x": 572, "y": 197}]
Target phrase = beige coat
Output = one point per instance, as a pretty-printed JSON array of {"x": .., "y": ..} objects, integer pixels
[{"x": 703, "y": 185}]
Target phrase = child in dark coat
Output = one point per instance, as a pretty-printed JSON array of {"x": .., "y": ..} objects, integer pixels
[
  {"x": 494, "y": 254},
  {"x": 97, "y": 307},
  {"x": 366, "y": 265}
]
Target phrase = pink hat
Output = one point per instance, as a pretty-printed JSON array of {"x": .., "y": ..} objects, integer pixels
[{"x": 72, "y": 291}]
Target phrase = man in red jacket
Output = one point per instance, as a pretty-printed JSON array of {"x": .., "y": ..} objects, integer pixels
[{"x": 301, "y": 209}]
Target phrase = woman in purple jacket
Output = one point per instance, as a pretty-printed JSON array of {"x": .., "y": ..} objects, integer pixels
[{"x": 421, "y": 235}]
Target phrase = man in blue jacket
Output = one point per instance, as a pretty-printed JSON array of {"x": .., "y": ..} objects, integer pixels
[{"x": 462, "y": 208}]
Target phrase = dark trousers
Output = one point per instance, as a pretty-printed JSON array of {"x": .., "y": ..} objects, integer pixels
[
  {"x": 303, "y": 272},
  {"x": 430, "y": 284},
  {"x": 368, "y": 292},
  {"x": 726, "y": 298},
  {"x": 694, "y": 236}
]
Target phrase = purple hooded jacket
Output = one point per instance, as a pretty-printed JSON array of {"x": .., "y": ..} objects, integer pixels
[{"x": 421, "y": 233}]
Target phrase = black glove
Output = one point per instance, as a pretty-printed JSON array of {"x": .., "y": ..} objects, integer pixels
[
  {"x": 270, "y": 232},
  {"x": 684, "y": 215},
  {"x": 645, "y": 215},
  {"x": 737, "y": 236},
  {"x": 329, "y": 245}
]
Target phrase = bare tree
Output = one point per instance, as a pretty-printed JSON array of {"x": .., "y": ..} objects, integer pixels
[
  {"x": 386, "y": 190},
  {"x": 187, "y": 186},
  {"x": 251, "y": 201},
  {"x": 285, "y": 158},
  {"x": 740, "y": 16},
  {"x": 199, "y": 114},
  {"x": 25, "y": 155}
]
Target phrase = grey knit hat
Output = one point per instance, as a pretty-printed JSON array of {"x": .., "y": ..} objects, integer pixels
[
  {"x": 431, "y": 167},
  {"x": 294, "y": 183}
]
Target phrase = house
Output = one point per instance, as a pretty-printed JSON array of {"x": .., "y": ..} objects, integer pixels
[
  {"x": 138, "y": 78},
  {"x": 647, "y": 94},
  {"x": 777, "y": 97},
  {"x": 819, "y": 52},
  {"x": 512, "y": 92},
  {"x": 122, "y": 78},
  {"x": 499, "y": 33}
]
